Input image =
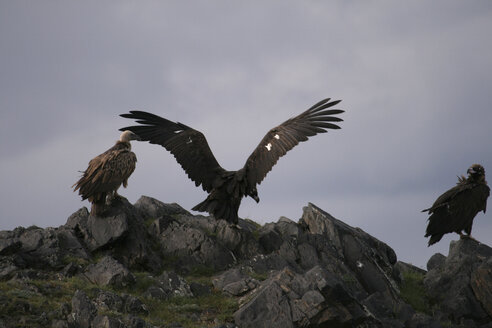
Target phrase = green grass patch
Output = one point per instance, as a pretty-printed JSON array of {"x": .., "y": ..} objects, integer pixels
[
  {"x": 413, "y": 292},
  {"x": 143, "y": 280},
  {"x": 201, "y": 270},
  {"x": 34, "y": 303},
  {"x": 76, "y": 260},
  {"x": 258, "y": 276},
  {"x": 192, "y": 312},
  {"x": 148, "y": 222}
]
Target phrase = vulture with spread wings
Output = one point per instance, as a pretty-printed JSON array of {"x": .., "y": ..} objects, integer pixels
[
  {"x": 455, "y": 210},
  {"x": 227, "y": 188}
]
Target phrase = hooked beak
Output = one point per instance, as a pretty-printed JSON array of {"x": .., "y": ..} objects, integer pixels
[
  {"x": 133, "y": 136},
  {"x": 256, "y": 198}
]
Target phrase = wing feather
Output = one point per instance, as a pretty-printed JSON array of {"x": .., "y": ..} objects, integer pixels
[
  {"x": 106, "y": 172},
  {"x": 455, "y": 209},
  {"x": 279, "y": 140},
  {"x": 188, "y": 146}
]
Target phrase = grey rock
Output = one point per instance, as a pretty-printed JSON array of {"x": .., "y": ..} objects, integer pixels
[
  {"x": 229, "y": 236},
  {"x": 321, "y": 272},
  {"x": 174, "y": 285},
  {"x": 199, "y": 289},
  {"x": 194, "y": 246},
  {"x": 108, "y": 301},
  {"x": 83, "y": 310},
  {"x": 297, "y": 300},
  {"x": 104, "y": 321},
  {"x": 55, "y": 324},
  {"x": 318, "y": 221},
  {"x": 452, "y": 283},
  {"x": 108, "y": 271},
  {"x": 436, "y": 261},
  {"x": 371, "y": 260},
  {"x": 98, "y": 232},
  {"x": 234, "y": 282},
  {"x": 38, "y": 248},
  {"x": 270, "y": 307},
  {"x": 104, "y": 231},
  {"x": 70, "y": 270},
  {"x": 152, "y": 208},
  {"x": 226, "y": 325},
  {"x": 481, "y": 283},
  {"x": 407, "y": 267},
  {"x": 421, "y": 320},
  {"x": 111, "y": 235},
  {"x": 269, "y": 239},
  {"x": 287, "y": 228},
  {"x": 7, "y": 268},
  {"x": 136, "y": 322},
  {"x": 133, "y": 305},
  {"x": 157, "y": 292},
  {"x": 159, "y": 225},
  {"x": 168, "y": 285},
  {"x": 336, "y": 274},
  {"x": 8, "y": 245}
]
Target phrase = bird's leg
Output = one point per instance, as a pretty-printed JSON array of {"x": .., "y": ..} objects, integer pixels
[
  {"x": 466, "y": 236},
  {"x": 112, "y": 197},
  {"x": 115, "y": 196}
]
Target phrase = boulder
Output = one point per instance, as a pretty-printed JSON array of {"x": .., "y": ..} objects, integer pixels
[
  {"x": 99, "y": 232},
  {"x": 289, "y": 299},
  {"x": 234, "y": 282},
  {"x": 151, "y": 208},
  {"x": 104, "y": 321},
  {"x": 193, "y": 245},
  {"x": 108, "y": 271},
  {"x": 328, "y": 274},
  {"x": 38, "y": 248},
  {"x": 436, "y": 261},
  {"x": 83, "y": 310},
  {"x": 168, "y": 285},
  {"x": 461, "y": 282}
]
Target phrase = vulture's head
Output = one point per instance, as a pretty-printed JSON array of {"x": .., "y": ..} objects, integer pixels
[
  {"x": 127, "y": 136},
  {"x": 476, "y": 172},
  {"x": 254, "y": 194}
]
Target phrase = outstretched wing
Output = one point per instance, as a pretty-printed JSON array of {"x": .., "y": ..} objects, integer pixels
[
  {"x": 279, "y": 140},
  {"x": 189, "y": 146}
]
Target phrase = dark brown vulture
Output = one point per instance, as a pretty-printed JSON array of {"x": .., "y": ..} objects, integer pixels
[
  {"x": 455, "y": 210},
  {"x": 227, "y": 188},
  {"x": 106, "y": 173}
]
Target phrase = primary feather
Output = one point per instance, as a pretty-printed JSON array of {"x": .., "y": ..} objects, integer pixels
[{"x": 226, "y": 188}]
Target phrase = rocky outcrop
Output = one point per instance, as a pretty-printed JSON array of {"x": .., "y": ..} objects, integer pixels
[
  {"x": 461, "y": 283},
  {"x": 128, "y": 269},
  {"x": 328, "y": 274}
]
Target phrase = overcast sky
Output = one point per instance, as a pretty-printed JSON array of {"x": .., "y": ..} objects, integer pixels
[{"x": 415, "y": 79}]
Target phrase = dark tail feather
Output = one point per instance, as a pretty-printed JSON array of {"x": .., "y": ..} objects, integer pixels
[
  {"x": 434, "y": 239},
  {"x": 223, "y": 210}
]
